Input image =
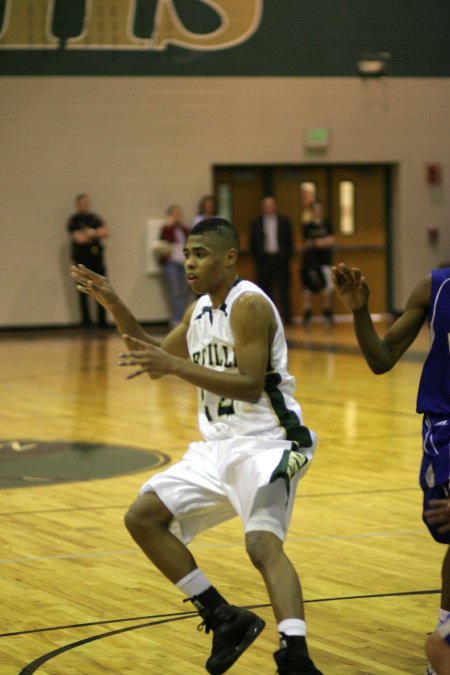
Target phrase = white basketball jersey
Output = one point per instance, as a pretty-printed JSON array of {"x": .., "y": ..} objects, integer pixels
[{"x": 210, "y": 342}]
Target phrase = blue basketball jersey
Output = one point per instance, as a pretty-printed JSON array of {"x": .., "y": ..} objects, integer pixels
[{"x": 434, "y": 388}]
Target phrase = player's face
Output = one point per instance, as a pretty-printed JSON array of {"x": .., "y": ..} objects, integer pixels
[{"x": 206, "y": 264}]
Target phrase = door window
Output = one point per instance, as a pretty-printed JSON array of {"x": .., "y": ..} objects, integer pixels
[{"x": 346, "y": 207}]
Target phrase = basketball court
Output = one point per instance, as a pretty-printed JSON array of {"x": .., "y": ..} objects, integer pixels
[{"x": 78, "y": 440}]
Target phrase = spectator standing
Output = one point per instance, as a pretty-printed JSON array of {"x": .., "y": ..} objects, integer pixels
[
  {"x": 87, "y": 232},
  {"x": 207, "y": 208},
  {"x": 319, "y": 241},
  {"x": 271, "y": 247},
  {"x": 308, "y": 199},
  {"x": 172, "y": 239}
]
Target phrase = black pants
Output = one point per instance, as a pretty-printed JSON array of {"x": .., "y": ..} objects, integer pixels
[{"x": 274, "y": 278}]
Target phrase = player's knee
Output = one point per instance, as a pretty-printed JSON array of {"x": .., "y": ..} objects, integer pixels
[
  {"x": 145, "y": 515},
  {"x": 262, "y": 548},
  {"x": 134, "y": 521}
]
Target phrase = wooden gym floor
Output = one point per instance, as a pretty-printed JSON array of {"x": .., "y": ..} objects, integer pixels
[{"x": 78, "y": 597}]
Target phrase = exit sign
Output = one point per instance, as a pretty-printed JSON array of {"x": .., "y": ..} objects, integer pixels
[{"x": 316, "y": 138}]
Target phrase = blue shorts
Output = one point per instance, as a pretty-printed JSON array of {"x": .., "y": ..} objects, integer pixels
[
  {"x": 435, "y": 467},
  {"x": 438, "y": 492}
]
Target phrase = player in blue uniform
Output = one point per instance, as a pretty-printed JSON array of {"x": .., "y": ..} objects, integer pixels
[{"x": 429, "y": 300}]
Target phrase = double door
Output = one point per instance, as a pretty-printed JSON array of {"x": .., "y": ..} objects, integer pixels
[{"x": 356, "y": 201}]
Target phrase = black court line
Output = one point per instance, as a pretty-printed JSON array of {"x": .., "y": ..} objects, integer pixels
[
  {"x": 34, "y": 665},
  {"x": 187, "y": 615},
  {"x": 182, "y": 615}
]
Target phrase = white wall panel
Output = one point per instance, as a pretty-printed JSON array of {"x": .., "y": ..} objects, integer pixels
[{"x": 137, "y": 145}]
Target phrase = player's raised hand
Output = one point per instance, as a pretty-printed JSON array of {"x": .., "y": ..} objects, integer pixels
[
  {"x": 94, "y": 284},
  {"x": 351, "y": 286},
  {"x": 149, "y": 358}
]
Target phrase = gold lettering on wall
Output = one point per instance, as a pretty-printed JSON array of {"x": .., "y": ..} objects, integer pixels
[
  {"x": 240, "y": 19},
  {"x": 27, "y": 24},
  {"x": 108, "y": 24}
]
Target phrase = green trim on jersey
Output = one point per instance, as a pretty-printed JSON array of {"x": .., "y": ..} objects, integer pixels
[
  {"x": 287, "y": 418},
  {"x": 292, "y": 461}
]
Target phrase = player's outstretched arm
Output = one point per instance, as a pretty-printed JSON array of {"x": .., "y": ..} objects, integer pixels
[
  {"x": 381, "y": 354},
  {"x": 100, "y": 288}
]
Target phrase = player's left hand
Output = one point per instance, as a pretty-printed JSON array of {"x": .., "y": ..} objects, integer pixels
[
  {"x": 439, "y": 514},
  {"x": 149, "y": 358}
]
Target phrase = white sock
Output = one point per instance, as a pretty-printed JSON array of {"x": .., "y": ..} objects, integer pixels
[
  {"x": 193, "y": 583},
  {"x": 443, "y": 615},
  {"x": 292, "y": 627}
]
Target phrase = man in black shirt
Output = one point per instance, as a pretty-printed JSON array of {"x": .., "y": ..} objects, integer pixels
[
  {"x": 319, "y": 241},
  {"x": 87, "y": 232}
]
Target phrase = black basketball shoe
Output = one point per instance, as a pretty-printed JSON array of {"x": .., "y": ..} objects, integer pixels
[
  {"x": 293, "y": 657},
  {"x": 234, "y": 629}
]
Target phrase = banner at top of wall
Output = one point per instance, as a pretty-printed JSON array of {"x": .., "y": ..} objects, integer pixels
[{"x": 221, "y": 37}]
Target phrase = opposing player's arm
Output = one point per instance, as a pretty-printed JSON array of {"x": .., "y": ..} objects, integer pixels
[
  {"x": 383, "y": 353},
  {"x": 253, "y": 324},
  {"x": 404, "y": 331}
]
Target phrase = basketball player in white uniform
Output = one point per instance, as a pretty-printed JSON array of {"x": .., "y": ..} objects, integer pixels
[{"x": 230, "y": 345}]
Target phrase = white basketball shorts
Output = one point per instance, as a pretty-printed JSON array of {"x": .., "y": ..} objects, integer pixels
[{"x": 252, "y": 477}]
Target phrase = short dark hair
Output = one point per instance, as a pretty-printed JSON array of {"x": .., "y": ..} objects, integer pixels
[{"x": 224, "y": 231}]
